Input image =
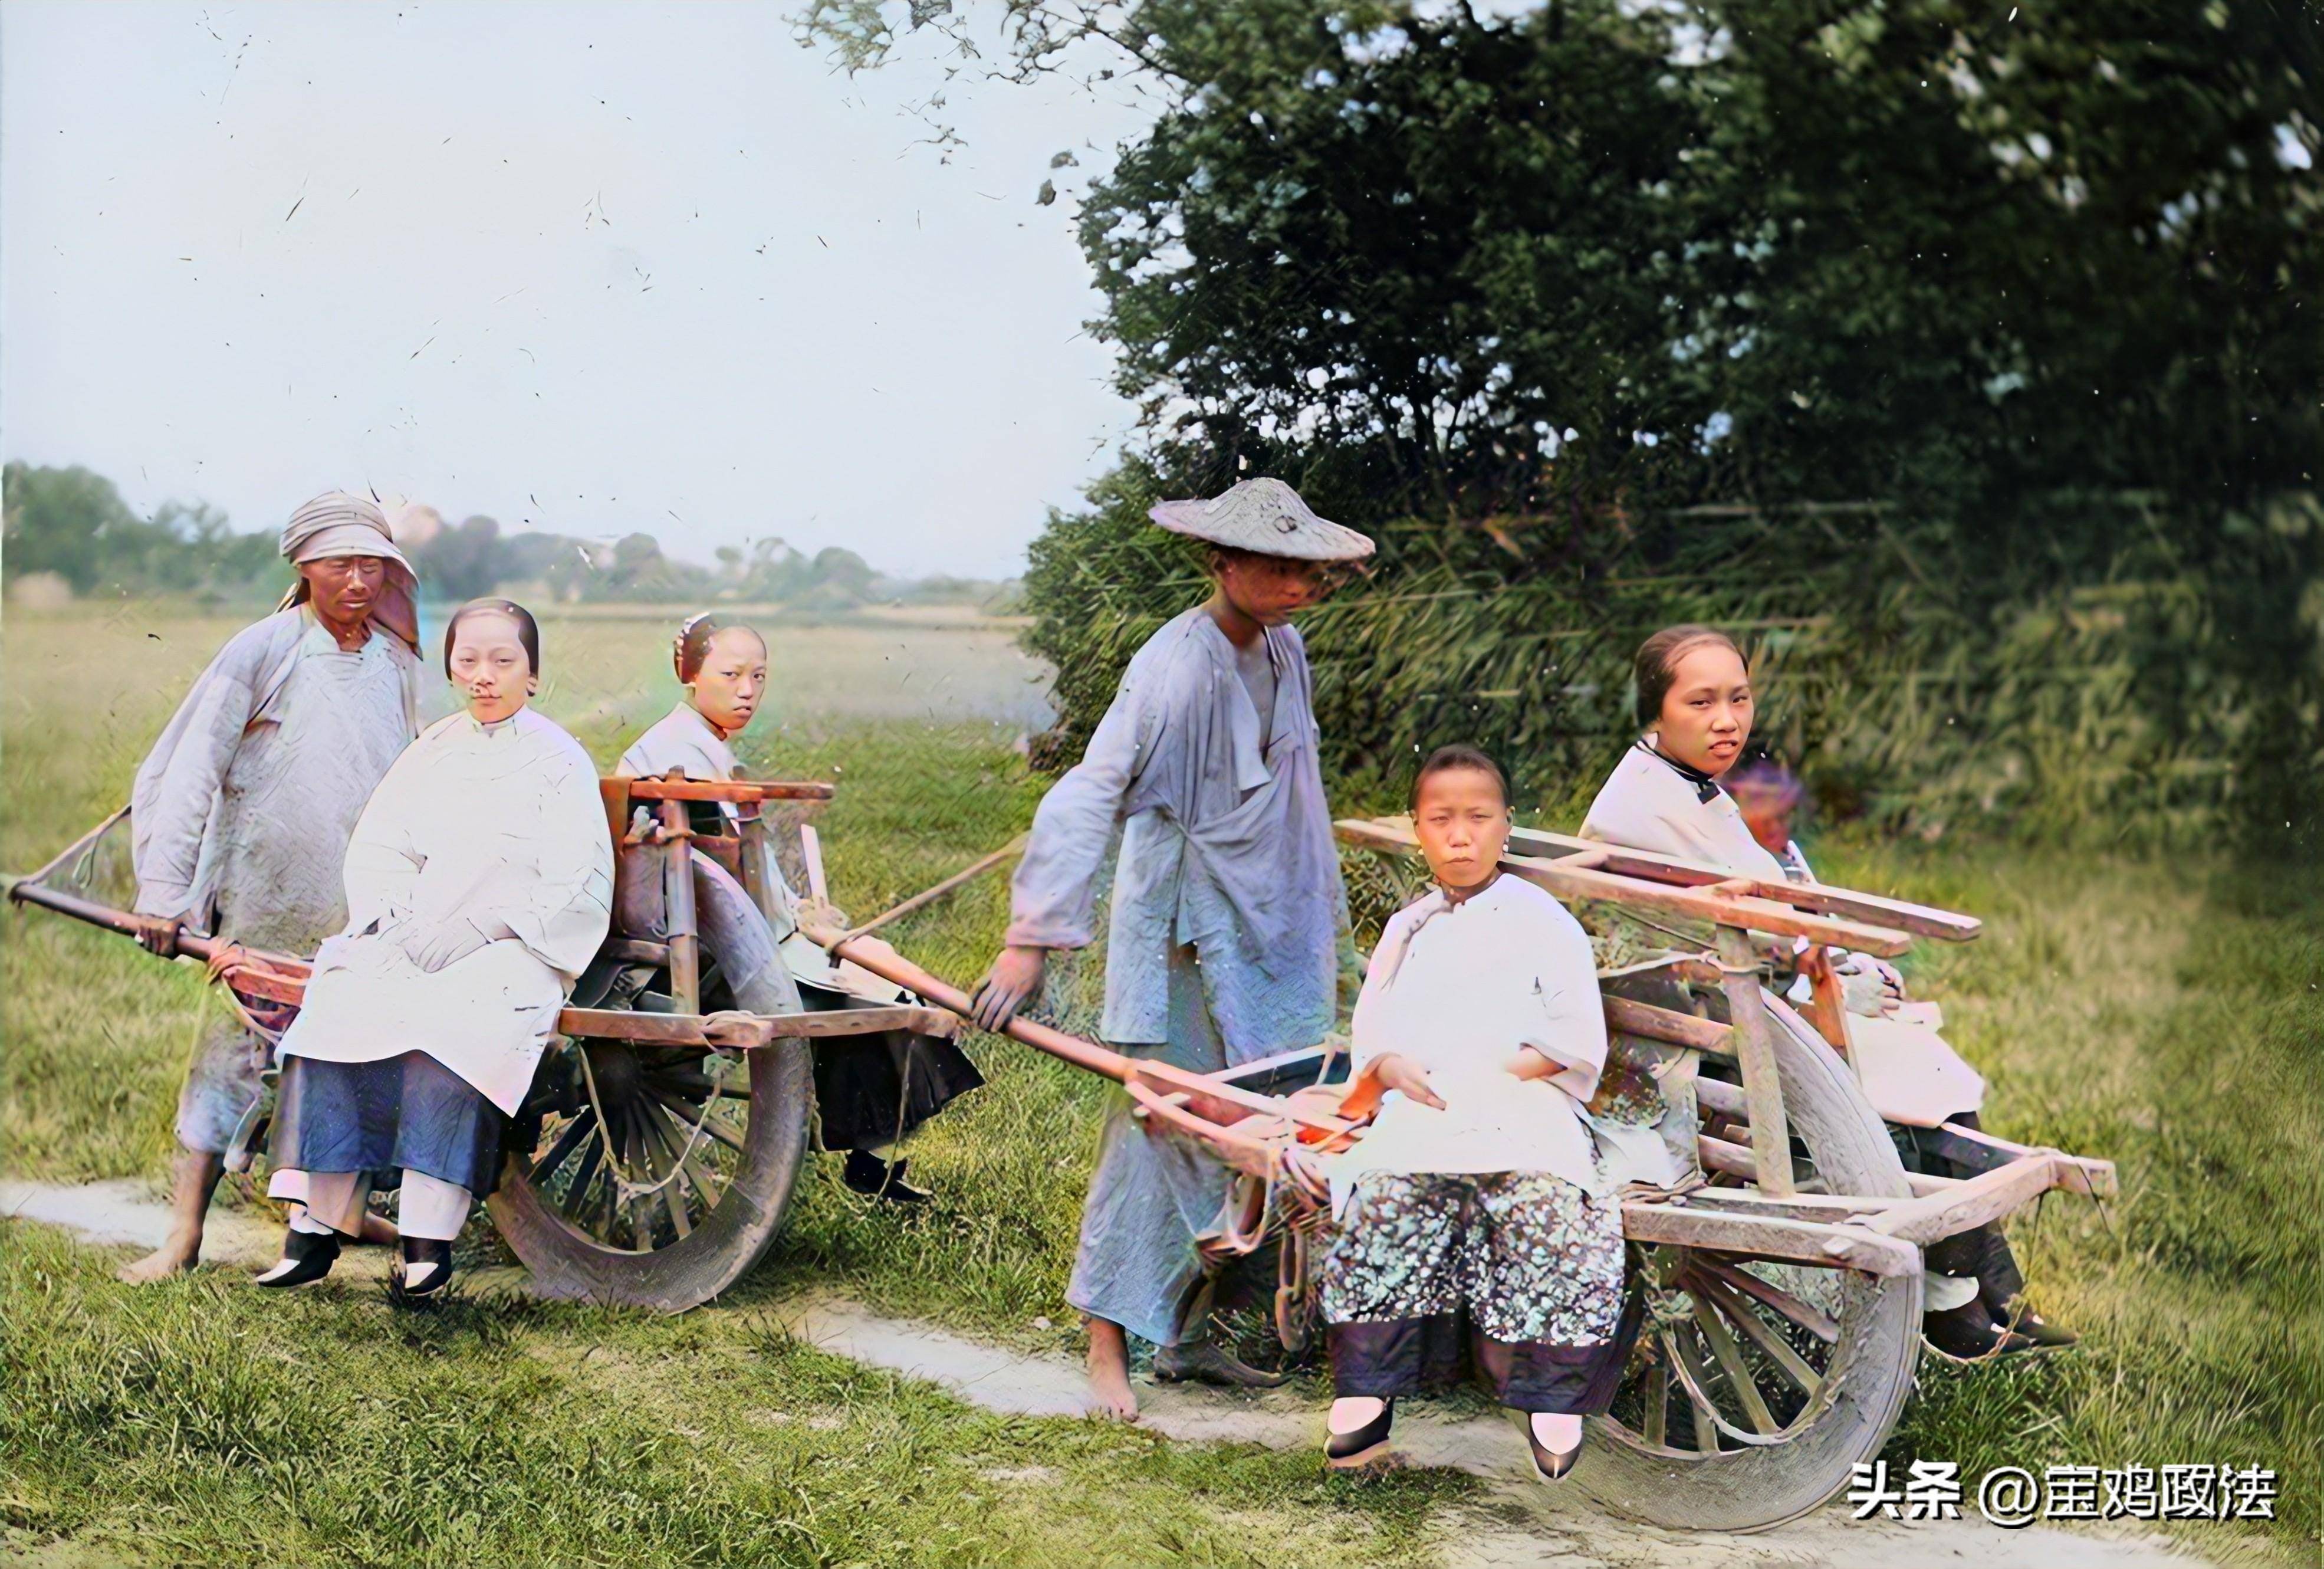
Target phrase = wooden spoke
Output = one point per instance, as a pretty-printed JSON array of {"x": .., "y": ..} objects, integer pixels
[
  {"x": 659, "y": 1137},
  {"x": 1706, "y": 1424},
  {"x": 583, "y": 1123},
  {"x": 700, "y": 1174},
  {"x": 1815, "y": 1321},
  {"x": 1657, "y": 1403},
  {"x": 709, "y": 1123},
  {"x": 577, "y": 1190},
  {"x": 634, "y": 1158},
  {"x": 1736, "y": 1311},
  {"x": 1721, "y": 1341}
]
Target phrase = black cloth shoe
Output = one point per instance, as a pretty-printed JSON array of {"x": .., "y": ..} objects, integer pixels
[
  {"x": 1968, "y": 1334},
  {"x": 419, "y": 1250},
  {"x": 307, "y": 1256},
  {"x": 1367, "y": 1444},
  {"x": 1548, "y": 1463},
  {"x": 874, "y": 1178},
  {"x": 1201, "y": 1361}
]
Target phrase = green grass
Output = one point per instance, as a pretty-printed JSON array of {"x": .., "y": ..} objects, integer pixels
[
  {"x": 2164, "y": 1013},
  {"x": 206, "y": 1422}
]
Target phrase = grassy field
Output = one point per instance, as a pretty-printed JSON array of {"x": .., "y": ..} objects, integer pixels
[{"x": 2165, "y": 1013}]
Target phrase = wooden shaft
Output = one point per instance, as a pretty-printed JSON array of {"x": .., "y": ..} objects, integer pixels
[
  {"x": 1964, "y": 1205},
  {"x": 1851, "y": 1246},
  {"x": 1724, "y": 1155},
  {"x": 753, "y": 863},
  {"x": 1920, "y": 920},
  {"x": 1570, "y": 882},
  {"x": 745, "y": 1031},
  {"x": 1626, "y": 1016},
  {"x": 922, "y": 900},
  {"x": 723, "y": 790},
  {"x": 677, "y": 900},
  {"x": 1755, "y": 1049},
  {"x": 78, "y": 845},
  {"x": 1827, "y": 1010},
  {"x": 890, "y": 965},
  {"x": 287, "y": 983},
  {"x": 1214, "y": 1099}
]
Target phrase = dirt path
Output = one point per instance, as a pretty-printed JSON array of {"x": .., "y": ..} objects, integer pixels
[{"x": 1517, "y": 1523}]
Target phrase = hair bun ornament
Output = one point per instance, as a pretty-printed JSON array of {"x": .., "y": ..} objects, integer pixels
[{"x": 688, "y": 650}]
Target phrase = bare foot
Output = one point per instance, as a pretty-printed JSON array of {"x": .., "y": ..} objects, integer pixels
[
  {"x": 378, "y": 1230},
  {"x": 1108, "y": 1372},
  {"x": 196, "y": 1177},
  {"x": 177, "y": 1256}
]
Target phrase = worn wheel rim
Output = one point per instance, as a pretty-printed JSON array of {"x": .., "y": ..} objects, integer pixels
[
  {"x": 713, "y": 1200},
  {"x": 1826, "y": 1356}
]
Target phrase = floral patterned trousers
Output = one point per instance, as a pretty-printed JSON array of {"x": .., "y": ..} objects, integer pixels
[{"x": 1532, "y": 1261}]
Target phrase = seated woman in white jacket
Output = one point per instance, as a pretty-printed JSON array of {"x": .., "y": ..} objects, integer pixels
[
  {"x": 1695, "y": 706},
  {"x": 479, "y": 884},
  {"x": 1476, "y": 1201}
]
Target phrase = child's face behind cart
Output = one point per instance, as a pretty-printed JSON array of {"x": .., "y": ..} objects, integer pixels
[
  {"x": 733, "y": 679},
  {"x": 1463, "y": 823}
]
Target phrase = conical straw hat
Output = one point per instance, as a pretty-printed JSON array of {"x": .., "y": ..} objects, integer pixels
[{"x": 1265, "y": 517}]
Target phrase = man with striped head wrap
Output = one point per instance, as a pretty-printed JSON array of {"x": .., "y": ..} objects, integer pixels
[{"x": 240, "y": 816}]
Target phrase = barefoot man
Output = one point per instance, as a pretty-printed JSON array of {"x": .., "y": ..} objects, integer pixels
[
  {"x": 1227, "y": 907},
  {"x": 240, "y": 816}
]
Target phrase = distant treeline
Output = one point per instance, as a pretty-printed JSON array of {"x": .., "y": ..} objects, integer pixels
[{"x": 72, "y": 524}]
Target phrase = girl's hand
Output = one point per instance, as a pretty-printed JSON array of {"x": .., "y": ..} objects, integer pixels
[{"x": 1402, "y": 1074}]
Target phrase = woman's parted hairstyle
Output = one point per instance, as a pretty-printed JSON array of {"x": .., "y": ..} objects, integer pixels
[
  {"x": 1449, "y": 759},
  {"x": 528, "y": 631},
  {"x": 691, "y": 646},
  {"x": 1656, "y": 664}
]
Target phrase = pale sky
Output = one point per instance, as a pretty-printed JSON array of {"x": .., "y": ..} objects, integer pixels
[{"x": 586, "y": 268}]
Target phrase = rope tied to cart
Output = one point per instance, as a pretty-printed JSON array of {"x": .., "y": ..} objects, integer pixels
[{"x": 699, "y": 1129}]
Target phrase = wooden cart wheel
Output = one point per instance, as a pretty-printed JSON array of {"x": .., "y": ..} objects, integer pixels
[
  {"x": 709, "y": 1145},
  {"x": 1754, "y": 1387}
]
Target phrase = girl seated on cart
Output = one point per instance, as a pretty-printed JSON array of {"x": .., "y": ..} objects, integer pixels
[
  {"x": 869, "y": 1091},
  {"x": 1671, "y": 794},
  {"x": 1477, "y": 1194}
]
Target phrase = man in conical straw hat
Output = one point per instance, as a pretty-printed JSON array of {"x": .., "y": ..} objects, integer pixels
[
  {"x": 240, "y": 816},
  {"x": 1223, "y": 944}
]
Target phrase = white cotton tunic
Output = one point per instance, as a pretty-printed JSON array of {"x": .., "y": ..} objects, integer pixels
[
  {"x": 1646, "y": 804},
  {"x": 1909, "y": 1072},
  {"x": 684, "y": 740},
  {"x": 495, "y": 823},
  {"x": 1458, "y": 990},
  {"x": 1226, "y": 847}
]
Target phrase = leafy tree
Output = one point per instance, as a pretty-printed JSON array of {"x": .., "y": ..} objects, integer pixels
[{"x": 1582, "y": 307}]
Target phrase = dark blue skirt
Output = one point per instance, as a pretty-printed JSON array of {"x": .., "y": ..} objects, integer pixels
[
  {"x": 871, "y": 1090},
  {"x": 385, "y": 1117}
]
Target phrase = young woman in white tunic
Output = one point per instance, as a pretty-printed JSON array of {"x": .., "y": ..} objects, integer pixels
[
  {"x": 1474, "y": 1218},
  {"x": 870, "y": 1092},
  {"x": 1696, "y": 706},
  {"x": 479, "y": 884}
]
